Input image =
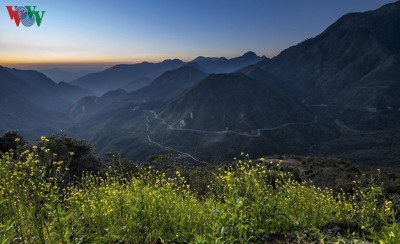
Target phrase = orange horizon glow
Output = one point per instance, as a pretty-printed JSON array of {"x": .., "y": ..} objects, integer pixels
[
  {"x": 25, "y": 61},
  {"x": 83, "y": 62},
  {"x": 79, "y": 63}
]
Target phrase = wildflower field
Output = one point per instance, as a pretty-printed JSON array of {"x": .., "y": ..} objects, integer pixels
[{"x": 250, "y": 201}]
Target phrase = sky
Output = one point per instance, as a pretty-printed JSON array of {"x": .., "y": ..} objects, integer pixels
[{"x": 94, "y": 34}]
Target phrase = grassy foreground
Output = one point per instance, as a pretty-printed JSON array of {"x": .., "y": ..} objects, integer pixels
[{"x": 249, "y": 202}]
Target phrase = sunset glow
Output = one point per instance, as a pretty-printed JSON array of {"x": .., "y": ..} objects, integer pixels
[{"x": 109, "y": 32}]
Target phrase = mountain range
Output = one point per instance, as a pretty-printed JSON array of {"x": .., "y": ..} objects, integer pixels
[
  {"x": 224, "y": 65},
  {"x": 336, "y": 94},
  {"x": 136, "y": 76},
  {"x": 30, "y": 100},
  {"x": 41, "y": 88},
  {"x": 163, "y": 88},
  {"x": 122, "y": 75}
]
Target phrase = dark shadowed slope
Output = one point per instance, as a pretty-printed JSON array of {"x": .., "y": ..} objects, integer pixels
[
  {"x": 169, "y": 85},
  {"x": 354, "y": 63},
  {"x": 18, "y": 113},
  {"x": 234, "y": 101}
]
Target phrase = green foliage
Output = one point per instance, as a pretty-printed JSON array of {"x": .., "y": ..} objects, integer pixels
[
  {"x": 30, "y": 195},
  {"x": 10, "y": 140},
  {"x": 250, "y": 201},
  {"x": 77, "y": 153}
]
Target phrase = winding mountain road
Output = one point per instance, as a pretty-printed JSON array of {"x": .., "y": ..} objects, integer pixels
[
  {"x": 170, "y": 127},
  {"x": 169, "y": 148},
  {"x": 256, "y": 134}
]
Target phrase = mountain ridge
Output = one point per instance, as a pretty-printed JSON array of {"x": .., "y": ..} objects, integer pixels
[
  {"x": 104, "y": 81},
  {"x": 233, "y": 101},
  {"x": 346, "y": 61},
  {"x": 225, "y": 65},
  {"x": 170, "y": 84}
]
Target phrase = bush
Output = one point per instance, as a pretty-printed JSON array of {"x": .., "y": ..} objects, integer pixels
[
  {"x": 77, "y": 155},
  {"x": 10, "y": 141},
  {"x": 251, "y": 201}
]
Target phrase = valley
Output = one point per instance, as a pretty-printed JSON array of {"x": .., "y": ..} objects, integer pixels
[
  {"x": 200, "y": 122},
  {"x": 333, "y": 95}
]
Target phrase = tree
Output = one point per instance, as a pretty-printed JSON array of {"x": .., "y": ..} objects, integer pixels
[{"x": 76, "y": 154}]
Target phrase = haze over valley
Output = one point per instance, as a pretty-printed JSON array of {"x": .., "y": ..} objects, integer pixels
[
  {"x": 333, "y": 95},
  {"x": 200, "y": 122}
]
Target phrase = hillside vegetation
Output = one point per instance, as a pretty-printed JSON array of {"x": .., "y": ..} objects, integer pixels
[{"x": 250, "y": 201}]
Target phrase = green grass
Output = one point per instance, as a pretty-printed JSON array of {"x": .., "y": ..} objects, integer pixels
[{"x": 248, "y": 202}]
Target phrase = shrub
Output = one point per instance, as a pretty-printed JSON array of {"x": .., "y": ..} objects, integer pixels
[
  {"x": 10, "y": 141},
  {"x": 251, "y": 201},
  {"x": 77, "y": 155}
]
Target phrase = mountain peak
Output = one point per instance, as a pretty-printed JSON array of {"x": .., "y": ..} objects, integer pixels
[
  {"x": 250, "y": 54},
  {"x": 172, "y": 61},
  {"x": 354, "y": 62},
  {"x": 199, "y": 58},
  {"x": 204, "y": 59},
  {"x": 395, "y": 6}
]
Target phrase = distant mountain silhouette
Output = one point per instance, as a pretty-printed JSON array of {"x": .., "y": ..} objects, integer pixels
[
  {"x": 9, "y": 80},
  {"x": 59, "y": 75},
  {"x": 224, "y": 65},
  {"x": 121, "y": 75},
  {"x": 30, "y": 100},
  {"x": 40, "y": 89},
  {"x": 234, "y": 101},
  {"x": 165, "y": 87},
  {"x": 354, "y": 63}
]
